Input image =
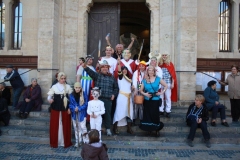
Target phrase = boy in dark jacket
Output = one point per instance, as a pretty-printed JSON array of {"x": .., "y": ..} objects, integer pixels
[
  {"x": 197, "y": 116},
  {"x": 95, "y": 150}
]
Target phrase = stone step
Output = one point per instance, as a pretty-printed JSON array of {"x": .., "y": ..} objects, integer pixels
[
  {"x": 123, "y": 137},
  {"x": 36, "y": 118},
  {"x": 32, "y": 126}
]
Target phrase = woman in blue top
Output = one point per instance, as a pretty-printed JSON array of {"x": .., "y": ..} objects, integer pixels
[
  {"x": 212, "y": 103},
  {"x": 149, "y": 89}
]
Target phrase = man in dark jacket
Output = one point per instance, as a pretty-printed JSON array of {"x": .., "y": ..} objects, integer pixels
[
  {"x": 16, "y": 82},
  {"x": 5, "y": 92},
  {"x": 32, "y": 98},
  {"x": 197, "y": 116}
]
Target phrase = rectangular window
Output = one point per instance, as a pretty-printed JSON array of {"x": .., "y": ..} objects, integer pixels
[
  {"x": 224, "y": 26},
  {"x": 2, "y": 24},
  {"x": 202, "y": 80},
  {"x": 17, "y": 25}
]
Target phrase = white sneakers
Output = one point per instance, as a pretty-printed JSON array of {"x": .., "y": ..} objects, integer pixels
[{"x": 109, "y": 132}]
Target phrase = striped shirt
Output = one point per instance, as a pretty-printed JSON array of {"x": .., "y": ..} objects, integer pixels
[{"x": 166, "y": 76}]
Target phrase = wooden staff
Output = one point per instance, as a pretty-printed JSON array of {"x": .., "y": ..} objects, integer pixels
[
  {"x": 140, "y": 52},
  {"x": 99, "y": 48}
]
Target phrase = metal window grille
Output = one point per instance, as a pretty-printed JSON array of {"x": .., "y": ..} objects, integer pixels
[
  {"x": 2, "y": 24},
  {"x": 224, "y": 26},
  {"x": 17, "y": 25}
]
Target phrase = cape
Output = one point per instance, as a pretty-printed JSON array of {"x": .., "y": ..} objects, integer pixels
[{"x": 172, "y": 71}]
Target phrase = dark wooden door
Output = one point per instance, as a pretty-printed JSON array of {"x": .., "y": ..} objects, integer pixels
[{"x": 103, "y": 18}]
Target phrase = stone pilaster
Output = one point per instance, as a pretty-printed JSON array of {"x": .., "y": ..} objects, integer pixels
[
  {"x": 153, "y": 6},
  {"x": 166, "y": 27},
  {"x": 48, "y": 36},
  {"x": 186, "y": 47}
]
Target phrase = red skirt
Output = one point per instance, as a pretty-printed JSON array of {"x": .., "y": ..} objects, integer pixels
[{"x": 54, "y": 124}]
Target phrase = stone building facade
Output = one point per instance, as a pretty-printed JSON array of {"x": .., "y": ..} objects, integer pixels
[{"x": 55, "y": 35}]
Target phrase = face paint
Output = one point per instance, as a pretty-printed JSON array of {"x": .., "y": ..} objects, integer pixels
[{"x": 95, "y": 94}]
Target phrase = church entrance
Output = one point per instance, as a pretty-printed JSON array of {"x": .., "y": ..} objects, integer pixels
[{"x": 122, "y": 21}]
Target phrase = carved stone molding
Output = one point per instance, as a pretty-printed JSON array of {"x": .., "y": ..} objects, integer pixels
[{"x": 151, "y": 4}]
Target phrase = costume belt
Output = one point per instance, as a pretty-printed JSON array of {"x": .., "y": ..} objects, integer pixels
[
  {"x": 128, "y": 95},
  {"x": 86, "y": 77}
]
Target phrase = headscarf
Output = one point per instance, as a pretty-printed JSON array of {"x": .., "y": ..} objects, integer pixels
[{"x": 81, "y": 98}]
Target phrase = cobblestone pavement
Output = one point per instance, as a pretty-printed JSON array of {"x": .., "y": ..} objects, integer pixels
[{"x": 15, "y": 147}]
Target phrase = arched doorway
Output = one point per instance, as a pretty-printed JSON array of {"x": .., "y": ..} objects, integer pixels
[{"x": 122, "y": 21}]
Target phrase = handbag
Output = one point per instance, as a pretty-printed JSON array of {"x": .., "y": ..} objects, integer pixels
[{"x": 138, "y": 99}]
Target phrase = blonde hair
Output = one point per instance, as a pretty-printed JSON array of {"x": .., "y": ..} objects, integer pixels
[
  {"x": 60, "y": 74},
  {"x": 167, "y": 61},
  {"x": 153, "y": 68},
  {"x": 200, "y": 98}
]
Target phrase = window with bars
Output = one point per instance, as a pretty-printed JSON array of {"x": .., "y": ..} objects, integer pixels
[
  {"x": 2, "y": 24},
  {"x": 17, "y": 24},
  {"x": 224, "y": 30}
]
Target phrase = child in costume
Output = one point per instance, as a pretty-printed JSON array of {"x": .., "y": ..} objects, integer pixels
[
  {"x": 78, "y": 106},
  {"x": 96, "y": 109}
]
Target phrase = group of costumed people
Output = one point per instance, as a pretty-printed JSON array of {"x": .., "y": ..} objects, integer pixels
[{"x": 108, "y": 91}]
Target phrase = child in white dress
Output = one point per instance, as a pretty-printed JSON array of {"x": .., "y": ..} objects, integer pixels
[{"x": 96, "y": 109}]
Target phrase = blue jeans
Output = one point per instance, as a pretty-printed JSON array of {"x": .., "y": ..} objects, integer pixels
[{"x": 16, "y": 95}]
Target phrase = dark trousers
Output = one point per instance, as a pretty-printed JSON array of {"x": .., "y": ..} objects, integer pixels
[
  {"x": 27, "y": 106},
  {"x": 218, "y": 108},
  {"x": 16, "y": 95},
  {"x": 107, "y": 116},
  {"x": 193, "y": 127},
  {"x": 235, "y": 109}
]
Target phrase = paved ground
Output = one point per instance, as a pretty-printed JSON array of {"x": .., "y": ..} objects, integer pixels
[{"x": 16, "y": 147}]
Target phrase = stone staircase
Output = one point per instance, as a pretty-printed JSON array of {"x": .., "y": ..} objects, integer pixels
[{"x": 175, "y": 129}]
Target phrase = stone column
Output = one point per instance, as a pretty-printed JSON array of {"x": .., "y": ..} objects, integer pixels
[
  {"x": 235, "y": 27},
  {"x": 166, "y": 27},
  {"x": 48, "y": 36},
  {"x": 153, "y": 6},
  {"x": 186, "y": 48}
]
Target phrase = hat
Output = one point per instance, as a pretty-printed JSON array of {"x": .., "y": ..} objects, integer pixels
[
  {"x": 9, "y": 66},
  {"x": 89, "y": 56},
  {"x": 77, "y": 84},
  {"x": 155, "y": 54},
  {"x": 143, "y": 63},
  {"x": 103, "y": 63}
]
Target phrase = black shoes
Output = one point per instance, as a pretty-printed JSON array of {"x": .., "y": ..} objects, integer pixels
[
  {"x": 168, "y": 115},
  {"x": 225, "y": 124},
  {"x": 208, "y": 144},
  {"x": 190, "y": 142},
  {"x": 161, "y": 113},
  {"x": 213, "y": 124}
]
